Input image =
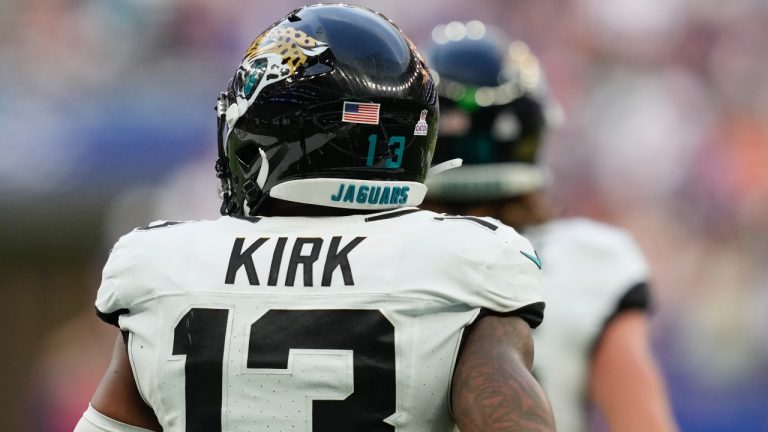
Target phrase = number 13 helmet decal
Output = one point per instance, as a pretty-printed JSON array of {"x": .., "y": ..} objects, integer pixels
[{"x": 322, "y": 110}]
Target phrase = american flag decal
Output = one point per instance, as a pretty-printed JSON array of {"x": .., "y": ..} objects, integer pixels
[{"x": 358, "y": 112}]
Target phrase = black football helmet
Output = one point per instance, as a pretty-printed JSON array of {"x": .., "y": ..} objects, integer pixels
[
  {"x": 331, "y": 106},
  {"x": 495, "y": 111}
]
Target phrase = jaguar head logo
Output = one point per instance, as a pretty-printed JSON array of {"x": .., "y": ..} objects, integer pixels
[{"x": 273, "y": 56}]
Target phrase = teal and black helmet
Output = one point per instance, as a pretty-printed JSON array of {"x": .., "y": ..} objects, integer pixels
[
  {"x": 330, "y": 106},
  {"x": 495, "y": 111}
]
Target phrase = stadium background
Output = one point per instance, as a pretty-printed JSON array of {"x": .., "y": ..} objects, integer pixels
[{"x": 106, "y": 122}]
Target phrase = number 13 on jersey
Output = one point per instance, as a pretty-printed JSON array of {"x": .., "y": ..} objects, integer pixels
[{"x": 360, "y": 404}]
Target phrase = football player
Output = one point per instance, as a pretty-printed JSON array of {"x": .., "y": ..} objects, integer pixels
[
  {"x": 594, "y": 346},
  {"x": 323, "y": 299}
]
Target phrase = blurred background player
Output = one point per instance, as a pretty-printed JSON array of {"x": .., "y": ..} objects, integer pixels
[
  {"x": 594, "y": 345},
  {"x": 378, "y": 316}
]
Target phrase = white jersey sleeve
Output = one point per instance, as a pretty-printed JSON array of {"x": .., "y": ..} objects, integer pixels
[
  {"x": 512, "y": 280},
  {"x": 477, "y": 262},
  {"x": 135, "y": 267},
  {"x": 589, "y": 270},
  {"x": 619, "y": 263},
  {"x": 115, "y": 294}
]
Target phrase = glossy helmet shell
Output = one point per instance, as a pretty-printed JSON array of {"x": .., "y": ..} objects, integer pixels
[
  {"x": 494, "y": 105},
  {"x": 287, "y": 135}
]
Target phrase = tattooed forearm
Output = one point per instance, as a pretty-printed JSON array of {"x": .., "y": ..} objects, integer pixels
[{"x": 493, "y": 389}]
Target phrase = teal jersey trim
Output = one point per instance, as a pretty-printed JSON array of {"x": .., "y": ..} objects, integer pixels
[{"x": 535, "y": 258}]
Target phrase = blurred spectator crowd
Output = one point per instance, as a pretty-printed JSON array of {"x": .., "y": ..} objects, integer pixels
[{"x": 665, "y": 132}]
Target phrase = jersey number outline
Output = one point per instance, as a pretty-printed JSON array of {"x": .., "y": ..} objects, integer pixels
[{"x": 201, "y": 334}]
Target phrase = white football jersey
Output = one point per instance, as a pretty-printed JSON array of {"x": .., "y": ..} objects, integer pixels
[
  {"x": 588, "y": 268},
  {"x": 310, "y": 324}
]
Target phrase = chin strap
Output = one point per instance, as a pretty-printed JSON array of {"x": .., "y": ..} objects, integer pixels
[{"x": 228, "y": 205}]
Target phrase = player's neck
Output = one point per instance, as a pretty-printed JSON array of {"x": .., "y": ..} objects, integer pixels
[{"x": 276, "y": 207}]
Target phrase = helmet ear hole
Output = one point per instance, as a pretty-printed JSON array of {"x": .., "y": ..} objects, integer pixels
[{"x": 246, "y": 156}]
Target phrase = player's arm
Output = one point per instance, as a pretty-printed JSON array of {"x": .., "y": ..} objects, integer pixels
[
  {"x": 625, "y": 382},
  {"x": 493, "y": 389},
  {"x": 117, "y": 406}
]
